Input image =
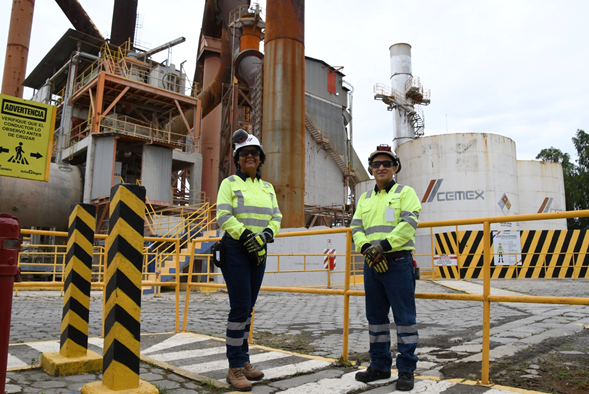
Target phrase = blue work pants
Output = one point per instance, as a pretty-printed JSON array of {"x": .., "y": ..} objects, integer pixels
[
  {"x": 244, "y": 279},
  {"x": 393, "y": 289}
]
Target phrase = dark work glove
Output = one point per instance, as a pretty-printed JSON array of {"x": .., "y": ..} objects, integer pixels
[
  {"x": 261, "y": 256},
  {"x": 255, "y": 242},
  {"x": 374, "y": 257}
]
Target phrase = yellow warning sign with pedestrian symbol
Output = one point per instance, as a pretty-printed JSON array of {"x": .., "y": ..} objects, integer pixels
[{"x": 26, "y": 138}]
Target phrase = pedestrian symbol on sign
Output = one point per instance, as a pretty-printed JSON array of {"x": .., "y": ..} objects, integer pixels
[{"x": 19, "y": 159}]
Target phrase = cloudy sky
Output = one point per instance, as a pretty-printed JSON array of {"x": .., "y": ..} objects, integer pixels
[{"x": 510, "y": 67}]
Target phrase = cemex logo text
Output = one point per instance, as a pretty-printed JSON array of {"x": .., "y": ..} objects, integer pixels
[{"x": 433, "y": 194}]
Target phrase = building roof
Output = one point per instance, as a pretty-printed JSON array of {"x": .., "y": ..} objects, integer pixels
[{"x": 59, "y": 55}]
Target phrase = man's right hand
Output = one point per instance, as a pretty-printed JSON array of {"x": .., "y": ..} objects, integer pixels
[{"x": 375, "y": 259}]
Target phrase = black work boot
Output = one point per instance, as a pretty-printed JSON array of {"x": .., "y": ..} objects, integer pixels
[
  {"x": 405, "y": 381},
  {"x": 371, "y": 374}
]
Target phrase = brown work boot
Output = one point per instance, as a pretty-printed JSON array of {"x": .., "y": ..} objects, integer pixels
[
  {"x": 236, "y": 378},
  {"x": 251, "y": 373}
]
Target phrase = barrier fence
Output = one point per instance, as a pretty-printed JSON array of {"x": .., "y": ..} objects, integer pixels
[{"x": 183, "y": 249}]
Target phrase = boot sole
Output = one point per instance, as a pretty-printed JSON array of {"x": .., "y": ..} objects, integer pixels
[
  {"x": 256, "y": 379},
  {"x": 240, "y": 389}
]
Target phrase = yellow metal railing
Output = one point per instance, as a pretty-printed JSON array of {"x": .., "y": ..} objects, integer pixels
[{"x": 174, "y": 255}]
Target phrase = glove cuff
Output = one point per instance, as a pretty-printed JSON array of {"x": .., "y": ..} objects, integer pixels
[
  {"x": 364, "y": 247},
  {"x": 245, "y": 236},
  {"x": 385, "y": 245},
  {"x": 269, "y": 234}
]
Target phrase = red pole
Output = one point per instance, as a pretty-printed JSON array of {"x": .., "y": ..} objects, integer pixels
[{"x": 9, "y": 248}]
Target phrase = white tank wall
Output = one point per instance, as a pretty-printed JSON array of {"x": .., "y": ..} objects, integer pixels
[
  {"x": 43, "y": 204},
  {"x": 363, "y": 187},
  {"x": 541, "y": 190},
  {"x": 470, "y": 173},
  {"x": 324, "y": 184}
]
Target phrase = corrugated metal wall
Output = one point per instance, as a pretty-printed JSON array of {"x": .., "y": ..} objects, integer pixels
[
  {"x": 545, "y": 254},
  {"x": 104, "y": 159},
  {"x": 324, "y": 183},
  {"x": 156, "y": 167},
  {"x": 326, "y": 108}
]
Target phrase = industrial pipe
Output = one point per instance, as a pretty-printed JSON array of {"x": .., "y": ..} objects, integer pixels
[
  {"x": 124, "y": 17},
  {"x": 283, "y": 123},
  {"x": 160, "y": 48},
  {"x": 17, "y": 48},
  {"x": 78, "y": 17},
  {"x": 211, "y": 95}
]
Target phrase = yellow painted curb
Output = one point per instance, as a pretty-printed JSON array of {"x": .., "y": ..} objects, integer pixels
[{"x": 57, "y": 365}]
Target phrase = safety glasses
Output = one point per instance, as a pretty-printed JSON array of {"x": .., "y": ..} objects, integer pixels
[
  {"x": 385, "y": 164},
  {"x": 246, "y": 152}
]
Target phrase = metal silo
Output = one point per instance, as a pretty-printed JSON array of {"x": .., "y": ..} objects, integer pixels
[
  {"x": 463, "y": 175},
  {"x": 541, "y": 190},
  {"x": 43, "y": 204}
]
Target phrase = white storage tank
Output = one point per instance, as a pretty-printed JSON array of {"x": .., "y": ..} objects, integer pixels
[
  {"x": 363, "y": 187},
  {"x": 43, "y": 204},
  {"x": 541, "y": 190},
  {"x": 463, "y": 175}
]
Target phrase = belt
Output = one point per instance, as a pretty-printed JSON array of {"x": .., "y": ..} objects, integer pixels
[{"x": 397, "y": 254}]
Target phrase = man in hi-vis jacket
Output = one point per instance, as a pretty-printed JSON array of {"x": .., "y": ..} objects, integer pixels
[{"x": 383, "y": 229}]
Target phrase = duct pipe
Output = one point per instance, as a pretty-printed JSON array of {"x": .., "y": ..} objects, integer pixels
[
  {"x": 78, "y": 17},
  {"x": 247, "y": 64},
  {"x": 400, "y": 73},
  {"x": 283, "y": 121},
  {"x": 17, "y": 48},
  {"x": 155, "y": 50},
  {"x": 124, "y": 18}
]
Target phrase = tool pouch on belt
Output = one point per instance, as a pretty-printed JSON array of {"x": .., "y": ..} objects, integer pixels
[{"x": 218, "y": 252}]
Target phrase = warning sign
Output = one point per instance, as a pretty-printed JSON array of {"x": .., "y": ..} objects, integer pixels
[
  {"x": 26, "y": 136},
  {"x": 507, "y": 248},
  {"x": 445, "y": 260}
]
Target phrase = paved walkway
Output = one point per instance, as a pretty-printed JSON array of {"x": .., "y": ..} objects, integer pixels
[{"x": 176, "y": 361}]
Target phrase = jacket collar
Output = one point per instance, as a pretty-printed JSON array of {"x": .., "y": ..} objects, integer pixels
[
  {"x": 387, "y": 188},
  {"x": 244, "y": 176}
]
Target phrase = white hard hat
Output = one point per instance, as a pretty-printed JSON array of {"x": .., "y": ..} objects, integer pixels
[
  {"x": 242, "y": 138},
  {"x": 384, "y": 149}
]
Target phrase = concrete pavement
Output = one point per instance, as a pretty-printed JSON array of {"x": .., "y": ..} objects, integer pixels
[{"x": 450, "y": 332}]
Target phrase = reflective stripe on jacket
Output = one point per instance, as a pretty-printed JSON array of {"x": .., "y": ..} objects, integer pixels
[
  {"x": 391, "y": 216},
  {"x": 247, "y": 205}
]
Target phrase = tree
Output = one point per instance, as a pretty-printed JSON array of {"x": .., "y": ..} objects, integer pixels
[{"x": 576, "y": 177}]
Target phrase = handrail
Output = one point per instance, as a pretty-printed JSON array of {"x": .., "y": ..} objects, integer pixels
[{"x": 486, "y": 298}]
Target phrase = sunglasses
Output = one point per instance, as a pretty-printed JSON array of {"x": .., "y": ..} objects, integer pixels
[
  {"x": 253, "y": 152},
  {"x": 385, "y": 164}
]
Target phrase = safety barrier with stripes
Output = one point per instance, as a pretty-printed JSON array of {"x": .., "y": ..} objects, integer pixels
[{"x": 544, "y": 254}]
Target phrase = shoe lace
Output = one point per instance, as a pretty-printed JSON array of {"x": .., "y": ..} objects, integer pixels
[
  {"x": 406, "y": 375},
  {"x": 238, "y": 372}
]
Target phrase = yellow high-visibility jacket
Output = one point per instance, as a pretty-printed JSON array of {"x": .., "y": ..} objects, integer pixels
[
  {"x": 245, "y": 204},
  {"x": 388, "y": 217}
]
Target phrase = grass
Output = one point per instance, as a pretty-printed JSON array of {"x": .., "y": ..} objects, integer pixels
[
  {"x": 161, "y": 390},
  {"x": 343, "y": 363}
]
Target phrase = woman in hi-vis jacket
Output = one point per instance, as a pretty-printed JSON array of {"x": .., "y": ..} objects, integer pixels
[{"x": 248, "y": 213}]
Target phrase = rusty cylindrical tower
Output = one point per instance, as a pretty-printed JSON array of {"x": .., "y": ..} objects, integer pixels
[
  {"x": 17, "y": 48},
  {"x": 283, "y": 124}
]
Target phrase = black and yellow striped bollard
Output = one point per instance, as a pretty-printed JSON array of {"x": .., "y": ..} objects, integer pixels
[
  {"x": 124, "y": 250},
  {"x": 74, "y": 358}
]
